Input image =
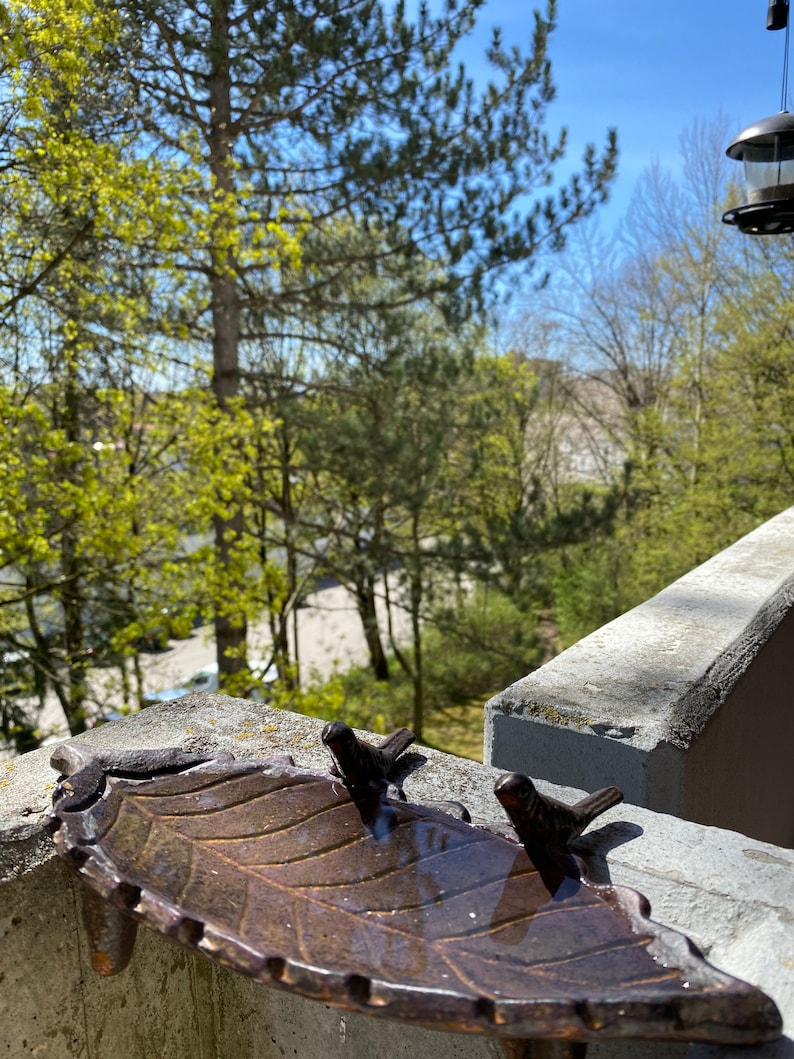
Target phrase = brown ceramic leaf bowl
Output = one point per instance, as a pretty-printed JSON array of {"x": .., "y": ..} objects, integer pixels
[{"x": 386, "y": 907}]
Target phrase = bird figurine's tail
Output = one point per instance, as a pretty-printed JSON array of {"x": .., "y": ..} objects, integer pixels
[{"x": 598, "y": 802}]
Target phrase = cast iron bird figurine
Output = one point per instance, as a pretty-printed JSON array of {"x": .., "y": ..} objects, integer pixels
[
  {"x": 358, "y": 762},
  {"x": 544, "y": 823}
]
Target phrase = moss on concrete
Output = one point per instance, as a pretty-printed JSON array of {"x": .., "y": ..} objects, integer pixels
[{"x": 551, "y": 715}]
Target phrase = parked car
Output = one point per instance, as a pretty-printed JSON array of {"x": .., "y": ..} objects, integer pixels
[{"x": 206, "y": 680}]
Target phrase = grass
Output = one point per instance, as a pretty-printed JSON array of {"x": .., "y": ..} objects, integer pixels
[{"x": 457, "y": 730}]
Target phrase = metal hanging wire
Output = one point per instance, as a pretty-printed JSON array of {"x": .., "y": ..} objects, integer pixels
[
  {"x": 777, "y": 17},
  {"x": 784, "y": 90}
]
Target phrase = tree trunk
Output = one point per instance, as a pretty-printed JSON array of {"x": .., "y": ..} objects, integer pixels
[
  {"x": 418, "y": 674},
  {"x": 365, "y": 604},
  {"x": 415, "y": 594},
  {"x": 71, "y": 566},
  {"x": 230, "y": 624},
  {"x": 291, "y": 677}
]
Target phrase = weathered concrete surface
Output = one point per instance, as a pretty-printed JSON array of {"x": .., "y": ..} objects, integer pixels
[
  {"x": 732, "y": 895},
  {"x": 684, "y": 702}
]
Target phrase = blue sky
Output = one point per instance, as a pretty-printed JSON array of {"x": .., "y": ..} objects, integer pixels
[{"x": 651, "y": 69}]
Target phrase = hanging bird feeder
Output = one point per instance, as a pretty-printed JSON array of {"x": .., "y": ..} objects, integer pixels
[{"x": 767, "y": 150}]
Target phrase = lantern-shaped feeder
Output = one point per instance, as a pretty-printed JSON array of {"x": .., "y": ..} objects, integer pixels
[{"x": 767, "y": 150}]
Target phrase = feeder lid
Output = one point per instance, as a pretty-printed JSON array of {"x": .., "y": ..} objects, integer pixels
[{"x": 762, "y": 133}]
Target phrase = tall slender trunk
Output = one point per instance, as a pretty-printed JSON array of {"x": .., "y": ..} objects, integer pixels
[
  {"x": 413, "y": 664},
  {"x": 230, "y": 624},
  {"x": 365, "y": 604},
  {"x": 292, "y": 677},
  {"x": 415, "y": 595},
  {"x": 71, "y": 566},
  {"x": 279, "y": 634}
]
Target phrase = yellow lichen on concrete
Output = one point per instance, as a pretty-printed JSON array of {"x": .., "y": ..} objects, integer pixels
[{"x": 552, "y": 715}]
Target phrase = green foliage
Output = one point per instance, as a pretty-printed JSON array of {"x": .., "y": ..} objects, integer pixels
[
  {"x": 586, "y": 583},
  {"x": 324, "y": 156},
  {"x": 470, "y": 652},
  {"x": 184, "y": 194},
  {"x": 17, "y": 713},
  {"x": 516, "y": 505},
  {"x": 479, "y": 647},
  {"x": 676, "y": 341}
]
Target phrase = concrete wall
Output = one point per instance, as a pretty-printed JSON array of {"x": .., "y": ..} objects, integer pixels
[
  {"x": 738, "y": 773},
  {"x": 730, "y": 894},
  {"x": 685, "y": 702}
]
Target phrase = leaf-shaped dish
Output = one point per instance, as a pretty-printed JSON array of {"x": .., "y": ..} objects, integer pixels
[{"x": 413, "y": 915}]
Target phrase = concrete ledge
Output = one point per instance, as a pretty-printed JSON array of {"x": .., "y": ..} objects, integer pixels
[
  {"x": 730, "y": 894},
  {"x": 684, "y": 702}
]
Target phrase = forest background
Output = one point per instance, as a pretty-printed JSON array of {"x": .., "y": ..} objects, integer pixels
[{"x": 287, "y": 299}]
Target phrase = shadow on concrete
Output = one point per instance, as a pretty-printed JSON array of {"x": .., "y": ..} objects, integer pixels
[
  {"x": 594, "y": 847},
  {"x": 409, "y": 762}
]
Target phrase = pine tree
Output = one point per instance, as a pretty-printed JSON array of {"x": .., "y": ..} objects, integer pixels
[{"x": 336, "y": 141}]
